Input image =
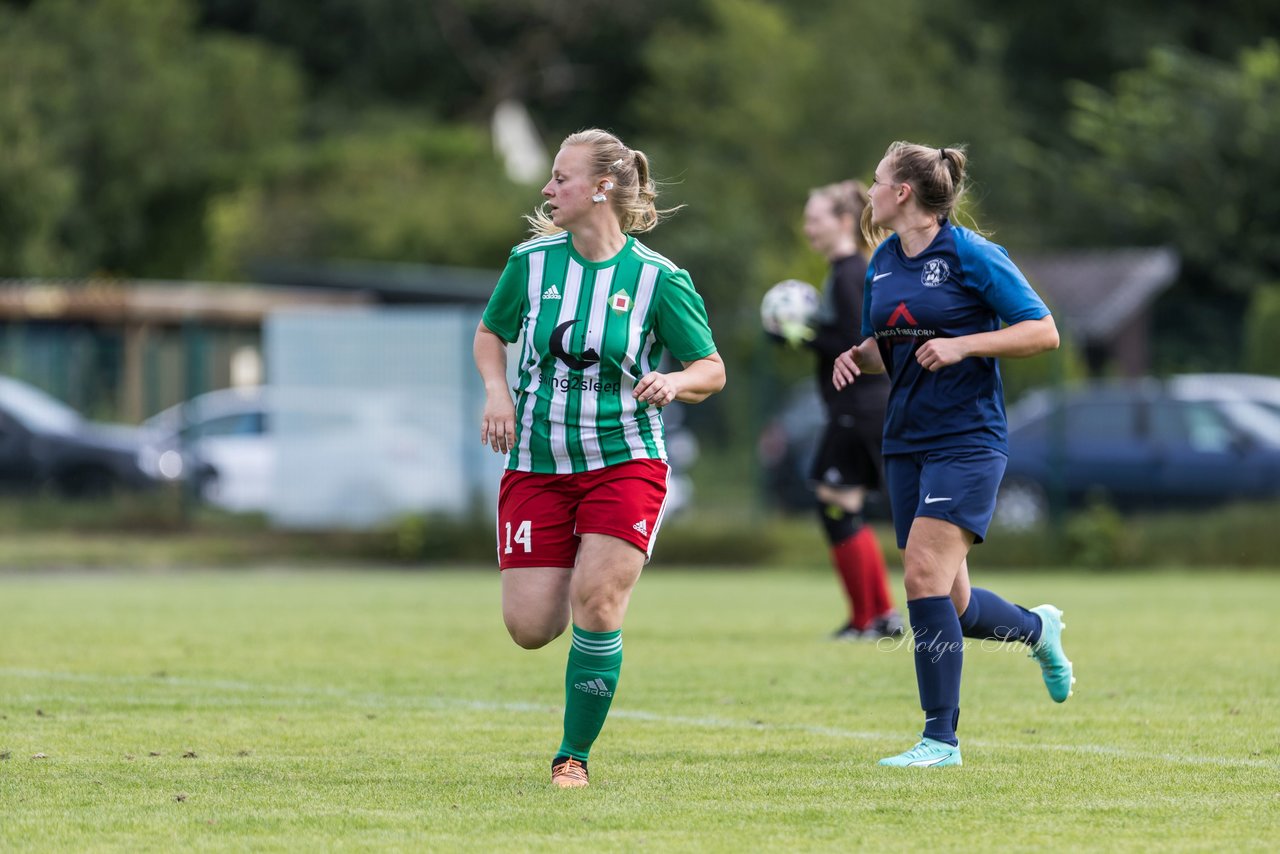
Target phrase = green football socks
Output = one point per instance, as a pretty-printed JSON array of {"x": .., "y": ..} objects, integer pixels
[{"x": 591, "y": 677}]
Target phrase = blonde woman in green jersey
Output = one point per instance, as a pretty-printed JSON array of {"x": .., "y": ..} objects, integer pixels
[{"x": 583, "y": 495}]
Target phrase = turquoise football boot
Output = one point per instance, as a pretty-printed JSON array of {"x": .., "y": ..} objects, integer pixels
[
  {"x": 1054, "y": 664},
  {"x": 927, "y": 754}
]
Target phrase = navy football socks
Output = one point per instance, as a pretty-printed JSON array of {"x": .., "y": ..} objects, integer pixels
[
  {"x": 989, "y": 617},
  {"x": 939, "y": 654}
]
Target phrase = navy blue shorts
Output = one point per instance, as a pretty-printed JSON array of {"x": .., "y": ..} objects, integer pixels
[{"x": 956, "y": 485}]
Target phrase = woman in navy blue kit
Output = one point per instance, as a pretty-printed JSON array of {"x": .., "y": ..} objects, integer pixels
[{"x": 941, "y": 304}]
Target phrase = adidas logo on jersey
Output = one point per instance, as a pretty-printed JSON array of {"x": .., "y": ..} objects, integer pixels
[
  {"x": 551, "y": 293},
  {"x": 595, "y": 687},
  {"x": 641, "y": 527}
]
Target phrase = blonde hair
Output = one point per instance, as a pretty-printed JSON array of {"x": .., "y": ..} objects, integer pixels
[
  {"x": 634, "y": 194},
  {"x": 846, "y": 198},
  {"x": 936, "y": 175},
  {"x": 872, "y": 235}
]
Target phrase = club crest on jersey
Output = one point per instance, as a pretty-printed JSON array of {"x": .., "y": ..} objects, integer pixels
[
  {"x": 935, "y": 273},
  {"x": 620, "y": 302}
]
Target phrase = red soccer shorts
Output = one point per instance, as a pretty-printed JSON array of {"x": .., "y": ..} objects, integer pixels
[{"x": 542, "y": 516}]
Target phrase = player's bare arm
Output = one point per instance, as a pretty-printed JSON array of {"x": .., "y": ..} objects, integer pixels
[
  {"x": 699, "y": 380},
  {"x": 498, "y": 423},
  {"x": 852, "y": 363},
  {"x": 1026, "y": 338}
]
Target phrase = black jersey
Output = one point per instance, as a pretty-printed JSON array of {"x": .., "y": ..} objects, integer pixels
[{"x": 836, "y": 329}]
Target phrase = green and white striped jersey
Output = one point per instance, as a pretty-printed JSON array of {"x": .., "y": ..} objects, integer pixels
[{"x": 589, "y": 331}]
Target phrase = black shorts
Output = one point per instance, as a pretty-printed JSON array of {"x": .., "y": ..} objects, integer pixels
[{"x": 849, "y": 453}]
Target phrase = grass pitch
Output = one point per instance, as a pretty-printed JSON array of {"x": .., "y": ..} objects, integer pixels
[{"x": 388, "y": 711}]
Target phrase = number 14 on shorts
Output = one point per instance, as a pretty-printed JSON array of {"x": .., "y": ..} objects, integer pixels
[{"x": 523, "y": 537}]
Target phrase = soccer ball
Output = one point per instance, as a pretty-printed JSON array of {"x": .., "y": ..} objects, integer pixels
[{"x": 788, "y": 304}]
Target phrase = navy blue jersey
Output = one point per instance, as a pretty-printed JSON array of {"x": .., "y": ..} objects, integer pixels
[{"x": 961, "y": 284}]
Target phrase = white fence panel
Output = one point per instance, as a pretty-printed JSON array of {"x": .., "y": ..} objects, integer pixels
[{"x": 382, "y": 418}]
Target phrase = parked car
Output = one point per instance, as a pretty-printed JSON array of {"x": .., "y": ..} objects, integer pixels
[
  {"x": 1192, "y": 440},
  {"x": 1143, "y": 445},
  {"x": 370, "y": 447},
  {"x": 46, "y": 444},
  {"x": 1257, "y": 388}
]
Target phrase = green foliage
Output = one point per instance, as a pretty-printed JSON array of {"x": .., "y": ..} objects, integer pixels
[
  {"x": 1097, "y": 536},
  {"x": 750, "y": 137},
  {"x": 1262, "y": 344},
  {"x": 1182, "y": 153},
  {"x": 572, "y": 63},
  {"x": 763, "y": 102},
  {"x": 1041, "y": 61},
  {"x": 123, "y": 120},
  {"x": 36, "y": 189},
  {"x": 390, "y": 187}
]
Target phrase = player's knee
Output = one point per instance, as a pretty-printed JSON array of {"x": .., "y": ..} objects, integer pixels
[
  {"x": 923, "y": 577},
  {"x": 532, "y": 636},
  {"x": 531, "y": 640},
  {"x": 600, "y": 607}
]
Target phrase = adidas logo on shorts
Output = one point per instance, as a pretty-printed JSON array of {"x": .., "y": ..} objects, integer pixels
[{"x": 641, "y": 527}]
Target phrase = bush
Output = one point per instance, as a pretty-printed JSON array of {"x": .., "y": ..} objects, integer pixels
[
  {"x": 1261, "y": 345},
  {"x": 1098, "y": 537},
  {"x": 152, "y": 532},
  {"x": 1243, "y": 535}
]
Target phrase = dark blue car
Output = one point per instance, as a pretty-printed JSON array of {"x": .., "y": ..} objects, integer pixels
[
  {"x": 1140, "y": 445},
  {"x": 45, "y": 444}
]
